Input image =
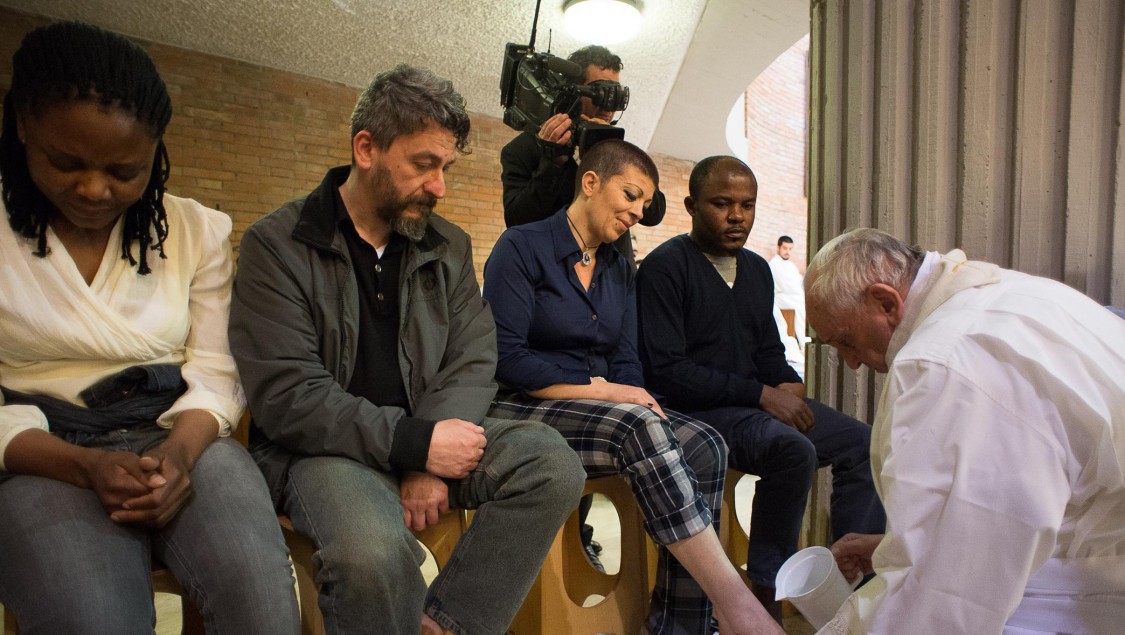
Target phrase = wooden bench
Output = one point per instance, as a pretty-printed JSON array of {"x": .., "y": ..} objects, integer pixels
[{"x": 567, "y": 580}]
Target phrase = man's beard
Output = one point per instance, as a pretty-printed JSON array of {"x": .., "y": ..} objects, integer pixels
[
  {"x": 392, "y": 206},
  {"x": 411, "y": 227}
]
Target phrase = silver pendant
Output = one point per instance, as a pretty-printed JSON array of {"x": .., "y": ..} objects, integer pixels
[{"x": 586, "y": 259}]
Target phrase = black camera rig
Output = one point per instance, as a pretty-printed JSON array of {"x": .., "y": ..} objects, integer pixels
[{"x": 536, "y": 86}]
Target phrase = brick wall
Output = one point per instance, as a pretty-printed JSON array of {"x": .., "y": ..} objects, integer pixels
[
  {"x": 244, "y": 139},
  {"x": 776, "y": 125},
  {"x": 674, "y": 175}
]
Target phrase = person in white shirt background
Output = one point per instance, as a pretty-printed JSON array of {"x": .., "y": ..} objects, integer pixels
[{"x": 789, "y": 293}]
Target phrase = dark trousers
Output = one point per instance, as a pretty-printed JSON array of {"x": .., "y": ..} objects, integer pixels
[{"x": 786, "y": 461}]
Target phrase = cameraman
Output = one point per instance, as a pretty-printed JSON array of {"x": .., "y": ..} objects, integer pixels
[{"x": 539, "y": 169}]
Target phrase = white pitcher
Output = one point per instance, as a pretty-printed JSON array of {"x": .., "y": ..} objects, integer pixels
[{"x": 811, "y": 580}]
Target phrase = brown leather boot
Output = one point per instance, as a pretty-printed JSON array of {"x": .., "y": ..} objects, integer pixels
[{"x": 766, "y": 595}]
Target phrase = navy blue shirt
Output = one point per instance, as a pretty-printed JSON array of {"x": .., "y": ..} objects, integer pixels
[{"x": 549, "y": 330}]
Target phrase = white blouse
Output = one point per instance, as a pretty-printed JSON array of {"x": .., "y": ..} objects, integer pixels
[{"x": 60, "y": 335}]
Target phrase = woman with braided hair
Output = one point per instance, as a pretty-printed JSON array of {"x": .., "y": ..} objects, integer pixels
[{"x": 116, "y": 382}]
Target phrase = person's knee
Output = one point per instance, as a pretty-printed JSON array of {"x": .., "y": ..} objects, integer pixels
[
  {"x": 640, "y": 432},
  {"x": 227, "y": 471},
  {"x": 705, "y": 451},
  {"x": 226, "y": 461},
  {"x": 798, "y": 452},
  {"x": 855, "y": 433},
  {"x": 773, "y": 447},
  {"x": 226, "y": 449},
  {"x": 371, "y": 565},
  {"x": 552, "y": 470},
  {"x": 567, "y": 477},
  {"x": 851, "y": 447}
]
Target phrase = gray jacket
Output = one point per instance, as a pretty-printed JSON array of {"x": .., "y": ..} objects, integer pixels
[{"x": 293, "y": 332}]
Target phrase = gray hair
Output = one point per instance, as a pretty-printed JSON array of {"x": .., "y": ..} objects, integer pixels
[
  {"x": 844, "y": 268},
  {"x": 400, "y": 101}
]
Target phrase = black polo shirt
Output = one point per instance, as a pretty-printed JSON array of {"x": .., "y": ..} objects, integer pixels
[{"x": 377, "y": 376}]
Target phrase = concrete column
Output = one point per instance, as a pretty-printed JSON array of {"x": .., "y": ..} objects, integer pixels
[{"x": 990, "y": 125}]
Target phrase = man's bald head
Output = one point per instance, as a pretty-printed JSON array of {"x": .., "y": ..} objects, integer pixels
[{"x": 706, "y": 167}]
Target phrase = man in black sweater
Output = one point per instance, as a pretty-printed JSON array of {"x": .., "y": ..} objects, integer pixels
[{"x": 711, "y": 348}]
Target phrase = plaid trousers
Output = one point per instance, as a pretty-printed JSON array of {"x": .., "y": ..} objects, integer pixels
[{"x": 675, "y": 467}]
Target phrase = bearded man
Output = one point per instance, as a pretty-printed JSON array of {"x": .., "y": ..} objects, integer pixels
[{"x": 368, "y": 359}]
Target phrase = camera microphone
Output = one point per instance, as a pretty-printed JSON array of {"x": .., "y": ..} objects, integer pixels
[{"x": 565, "y": 67}]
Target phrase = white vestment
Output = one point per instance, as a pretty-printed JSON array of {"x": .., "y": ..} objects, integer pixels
[
  {"x": 60, "y": 335},
  {"x": 999, "y": 453},
  {"x": 789, "y": 293}
]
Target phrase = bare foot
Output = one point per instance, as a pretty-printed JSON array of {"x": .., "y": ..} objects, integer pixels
[{"x": 755, "y": 621}]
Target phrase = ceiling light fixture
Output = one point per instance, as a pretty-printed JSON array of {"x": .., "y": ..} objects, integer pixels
[{"x": 602, "y": 21}]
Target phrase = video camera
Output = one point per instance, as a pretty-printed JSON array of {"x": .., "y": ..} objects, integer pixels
[{"x": 536, "y": 86}]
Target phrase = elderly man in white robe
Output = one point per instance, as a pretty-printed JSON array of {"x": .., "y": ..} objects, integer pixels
[{"x": 998, "y": 446}]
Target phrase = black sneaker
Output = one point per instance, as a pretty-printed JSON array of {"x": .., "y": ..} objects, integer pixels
[{"x": 592, "y": 556}]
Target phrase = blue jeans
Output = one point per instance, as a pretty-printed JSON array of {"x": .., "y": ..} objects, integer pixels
[
  {"x": 65, "y": 567},
  {"x": 786, "y": 461},
  {"x": 368, "y": 561}
]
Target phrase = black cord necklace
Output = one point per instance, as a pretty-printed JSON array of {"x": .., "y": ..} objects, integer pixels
[{"x": 586, "y": 259}]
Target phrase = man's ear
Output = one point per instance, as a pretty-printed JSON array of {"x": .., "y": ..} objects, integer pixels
[
  {"x": 689, "y": 205},
  {"x": 364, "y": 150},
  {"x": 887, "y": 301}
]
